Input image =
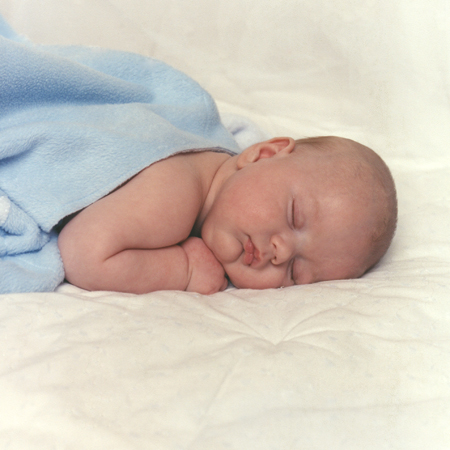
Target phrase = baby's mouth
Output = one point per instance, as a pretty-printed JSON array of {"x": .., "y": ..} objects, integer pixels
[{"x": 251, "y": 253}]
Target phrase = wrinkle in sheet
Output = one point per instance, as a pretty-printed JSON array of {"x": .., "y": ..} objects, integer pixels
[{"x": 220, "y": 391}]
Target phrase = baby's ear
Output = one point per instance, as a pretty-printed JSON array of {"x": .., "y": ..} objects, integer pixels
[{"x": 276, "y": 147}]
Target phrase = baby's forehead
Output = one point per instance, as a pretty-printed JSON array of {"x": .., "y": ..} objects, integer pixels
[
  {"x": 331, "y": 162},
  {"x": 333, "y": 172},
  {"x": 344, "y": 155},
  {"x": 338, "y": 150}
]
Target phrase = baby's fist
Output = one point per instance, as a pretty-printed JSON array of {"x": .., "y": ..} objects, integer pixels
[{"x": 206, "y": 274}]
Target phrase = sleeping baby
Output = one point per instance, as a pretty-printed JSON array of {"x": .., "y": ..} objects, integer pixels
[
  {"x": 116, "y": 173},
  {"x": 281, "y": 213}
]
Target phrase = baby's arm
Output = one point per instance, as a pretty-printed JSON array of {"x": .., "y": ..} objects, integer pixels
[{"x": 137, "y": 238}]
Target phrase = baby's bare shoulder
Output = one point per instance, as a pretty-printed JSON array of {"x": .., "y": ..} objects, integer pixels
[
  {"x": 160, "y": 204},
  {"x": 157, "y": 208}
]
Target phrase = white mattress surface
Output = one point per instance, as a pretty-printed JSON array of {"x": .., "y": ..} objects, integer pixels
[{"x": 356, "y": 364}]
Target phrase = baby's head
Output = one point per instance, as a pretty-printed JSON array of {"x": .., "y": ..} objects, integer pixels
[
  {"x": 297, "y": 212},
  {"x": 366, "y": 180}
]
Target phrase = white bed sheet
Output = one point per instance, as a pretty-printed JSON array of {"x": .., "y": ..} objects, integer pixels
[{"x": 338, "y": 365}]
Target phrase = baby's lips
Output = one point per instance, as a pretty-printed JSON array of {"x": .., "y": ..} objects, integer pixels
[
  {"x": 248, "y": 258},
  {"x": 249, "y": 250}
]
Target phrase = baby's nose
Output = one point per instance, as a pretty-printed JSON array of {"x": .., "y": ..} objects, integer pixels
[{"x": 282, "y": 250}]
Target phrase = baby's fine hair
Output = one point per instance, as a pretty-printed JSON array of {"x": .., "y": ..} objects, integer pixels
[{"x": 360, "y": 162}]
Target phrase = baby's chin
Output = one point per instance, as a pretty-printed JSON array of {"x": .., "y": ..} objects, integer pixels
[{"x": 253, "y": 281}]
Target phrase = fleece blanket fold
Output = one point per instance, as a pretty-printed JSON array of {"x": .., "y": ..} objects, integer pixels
[{"x": 75, "y": 123}]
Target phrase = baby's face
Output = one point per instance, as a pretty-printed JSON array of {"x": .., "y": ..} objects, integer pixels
[{"x": 284, "y": 221}]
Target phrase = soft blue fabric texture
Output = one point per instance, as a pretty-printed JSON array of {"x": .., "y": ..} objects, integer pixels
[{"x": 75, "y": 123}]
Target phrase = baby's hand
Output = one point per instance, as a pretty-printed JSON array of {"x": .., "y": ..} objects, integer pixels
[{"x": 206, "y": 274}]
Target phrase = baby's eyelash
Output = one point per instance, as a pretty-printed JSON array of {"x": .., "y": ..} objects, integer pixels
[
  {"x": 291, "y": 271},
  {"x": 293, "y": 214}
]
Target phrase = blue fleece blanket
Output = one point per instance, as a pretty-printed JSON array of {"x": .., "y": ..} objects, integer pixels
[{"x": 75, "y": 123}]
